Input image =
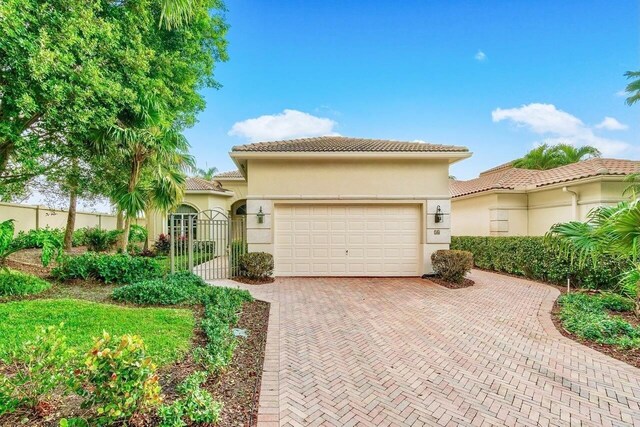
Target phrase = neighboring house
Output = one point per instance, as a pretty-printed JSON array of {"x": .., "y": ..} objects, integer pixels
[
  {"x": 507, "y": 201},
  {"x": 337, "y": 206}
]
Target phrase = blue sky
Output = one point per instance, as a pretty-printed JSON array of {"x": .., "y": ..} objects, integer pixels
[{"x": 495, "y": 76}]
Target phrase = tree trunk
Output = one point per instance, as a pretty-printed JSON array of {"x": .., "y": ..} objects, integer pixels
[
  {"x": 636, "y": 311},
  {"x": 6, "y": 148},
  {"x": 124, "y": 239},
  {"x": 119, "y": 220},
  {"x": 71, "y": 219},
  {"x": 147, "y": 215}
]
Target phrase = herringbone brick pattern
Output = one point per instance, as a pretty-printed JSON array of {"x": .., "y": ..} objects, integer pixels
[{"x": 407, "y": 352}]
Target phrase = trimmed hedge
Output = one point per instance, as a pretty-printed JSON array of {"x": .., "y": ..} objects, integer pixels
[
  {"x": 178, "y": 288},
  {"x": 108, "y": 268},
  {"x": 539, "y": 259}
]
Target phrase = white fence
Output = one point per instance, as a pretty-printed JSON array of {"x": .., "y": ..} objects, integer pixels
[{"x": 29, "y": 217}]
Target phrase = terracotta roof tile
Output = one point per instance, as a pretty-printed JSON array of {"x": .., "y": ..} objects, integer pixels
[
  {"x": 229, "y": 174},
  {"x": 200, "y": 184},
  {"x": 509, "y": 178},
  {"x": 345, "y": 144}
]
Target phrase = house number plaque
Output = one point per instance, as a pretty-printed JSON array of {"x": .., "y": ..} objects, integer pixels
[{"x": 436, "y": 232}]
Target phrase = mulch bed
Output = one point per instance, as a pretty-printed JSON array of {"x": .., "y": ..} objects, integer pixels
[
  {"x": 238, "y": 387},
  {"x": 632, "y": 357},
  {"x": 248, "y": 281},
  {"x": 437, "y": 280}
]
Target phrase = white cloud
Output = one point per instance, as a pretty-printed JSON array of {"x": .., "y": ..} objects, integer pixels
[
  {"x": 610, "y": 123},
  {"x": 558, "y": 126},
  {"x": 621, "y": 93},
  {"x": 480, "y": 56},
  {"x": 286, "y": 125}
]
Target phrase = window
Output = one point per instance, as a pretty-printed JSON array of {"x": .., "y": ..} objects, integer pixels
[
  {"x": 241, "y": 210},
  {"x": 185, "y": 222}
]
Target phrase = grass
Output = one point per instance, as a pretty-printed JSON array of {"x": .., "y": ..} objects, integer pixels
[
  {"x": 166, "y": 332},
  {"x": 590, "y": 317}
]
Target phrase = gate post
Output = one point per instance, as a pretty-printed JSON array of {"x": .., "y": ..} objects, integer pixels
[
  {"x": 172, "y": 244},
  {"x": 190, "y": 240}
]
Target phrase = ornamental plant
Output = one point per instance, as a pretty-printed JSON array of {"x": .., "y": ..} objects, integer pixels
[
  {"x": 195, "y": 405},
  {"x": 118, "y": 379},
  {"x": 452, "y": 265},
  {"x": 51, "y": 246},
  {"x": 34, "y": 372}
]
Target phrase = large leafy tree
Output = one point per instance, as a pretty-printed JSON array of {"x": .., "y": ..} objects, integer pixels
[
  {"x": 70, "y": 67},
  {"x": 59, "y": 74},
  {"x": 551, "y": 156},
  {"x": 610, "y": 231}
]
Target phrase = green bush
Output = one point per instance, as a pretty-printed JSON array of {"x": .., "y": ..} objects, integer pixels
[
  {"x": 256, "y": 265},
  {"x": 178, "y": 288},
  {"x": 38, "y": 238},
  {"x": 14, "y": 282},
  {"x": 109, "y": 268},
  {"x": 539, "y": 258},
  {"x": 195, "y": 404},
  {"x": 452, "y": 265},
  {"x": 118, "y": 379},
  {"x": 586, "y": 316},
  {"x": 38, "y": 370},
  {"x": 222, "y": 306},
  {"x": 99, "y": 240},
  {"x": 137, "y": 233}
]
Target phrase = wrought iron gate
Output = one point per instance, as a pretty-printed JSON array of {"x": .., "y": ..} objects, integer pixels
[{"x": 207, "y": 243}]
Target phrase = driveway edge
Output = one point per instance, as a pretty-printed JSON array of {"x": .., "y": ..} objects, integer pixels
[{"x": 269, "y": 402}]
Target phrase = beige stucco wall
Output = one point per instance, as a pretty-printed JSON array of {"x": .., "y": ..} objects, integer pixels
[
  {"x": 422, "y": 182},
  {"x": 534, "y": 212},
  {"x": 30, "y": 217},
  {"x": 347, "y": 177},
  {"x": 471, "y": 216}
]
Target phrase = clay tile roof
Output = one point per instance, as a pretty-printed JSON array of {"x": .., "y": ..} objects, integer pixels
[
  {"x": 229, "y": 174},
  {"x": 200, "y": 184},
  {"x": 510, "y": 178},
  {"x": 345, "y": 144}
]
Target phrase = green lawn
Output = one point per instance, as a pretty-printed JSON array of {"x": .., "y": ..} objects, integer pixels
[{"x": 167, "y": 332}]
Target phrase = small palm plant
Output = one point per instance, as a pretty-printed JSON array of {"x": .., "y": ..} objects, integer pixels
[{"x": 610, "y": 231}]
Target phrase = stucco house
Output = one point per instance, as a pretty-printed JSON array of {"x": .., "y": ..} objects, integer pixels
[
  {"x": 336, "y": 206},
  {"x": 507, "y": 201}
]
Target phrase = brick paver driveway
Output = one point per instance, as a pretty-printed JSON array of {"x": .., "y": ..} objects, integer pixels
[{"x": 408, "y": 352}]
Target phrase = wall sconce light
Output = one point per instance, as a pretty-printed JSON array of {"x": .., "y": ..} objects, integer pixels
[
  {"x": 438, "y": 216},
  {"x": 260, "y": 216}
]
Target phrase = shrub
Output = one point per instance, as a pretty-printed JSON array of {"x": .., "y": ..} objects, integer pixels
[
  {"x": 137, "y": 233},
  {"x": 162, "y": 244},
  {"x": 178, "y": 288},
  {"x": 14, "y": 282},
  {"x": 195, "y": 404},
  {"x": 452, "y": 265},
  {"x": 616, "y": 302},
  {"x": 256, "y": 265},
  {"x": 109, "y": 268},
  {"x": 586, "y": 316},
  {"x": 38, "y": 238},
  {"x": 221, "y": 312},
  {"x": 539, "y": 258},
  {"x": 99, "y": 240},
  {"x": 118, "y": 379},
  {"x": 35, "y": 371}
]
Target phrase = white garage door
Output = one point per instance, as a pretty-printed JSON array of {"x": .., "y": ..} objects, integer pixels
[{"x": 347, "y": 240}]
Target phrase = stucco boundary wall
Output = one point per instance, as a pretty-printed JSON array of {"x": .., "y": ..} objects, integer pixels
[{"x": 31, "y": 217}]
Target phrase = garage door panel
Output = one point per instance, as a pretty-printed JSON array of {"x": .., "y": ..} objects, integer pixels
[{"x": 347, "y": 240}]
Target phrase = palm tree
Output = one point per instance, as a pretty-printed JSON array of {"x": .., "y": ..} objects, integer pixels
[
  {"x": 608, "y": 231},
  {"x": 175, "y": 13},
  {"x": 155, "y": 154},
  {"x": 551, "y": 156},
  {"x": 571, "y": 154},
  {"x": 207, "y": 173},
  {"x": 633, "y": 88},
  {"x": 542, "y": 157}
]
